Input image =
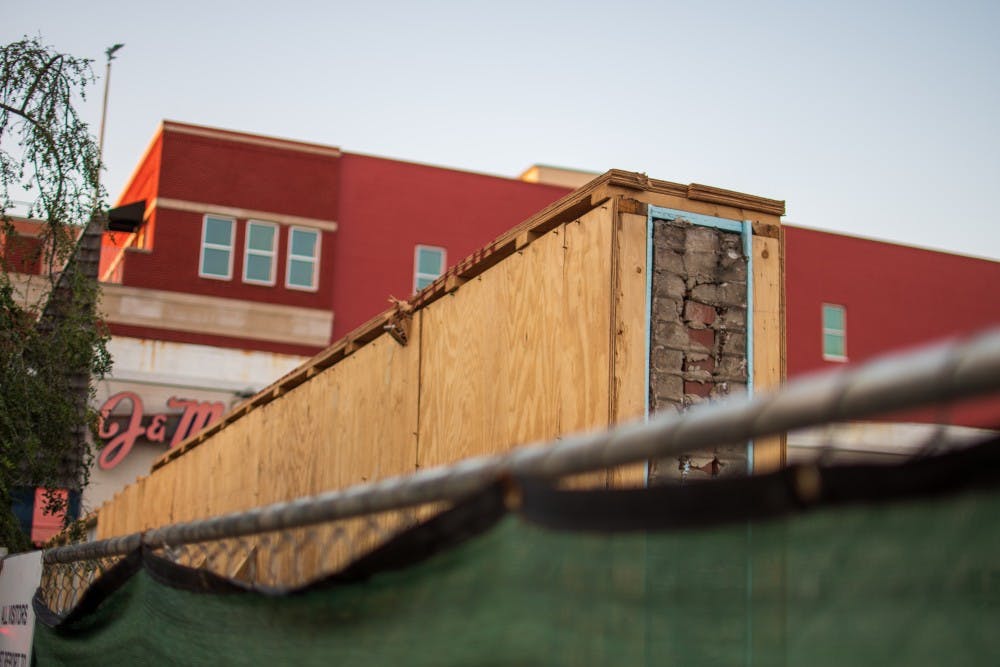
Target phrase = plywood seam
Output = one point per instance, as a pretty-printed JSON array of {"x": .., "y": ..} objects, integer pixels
[
  {"x": 616, "y": 287},
  {"x": 420, "y": 390},
  {"x": 615, "y": 250}
]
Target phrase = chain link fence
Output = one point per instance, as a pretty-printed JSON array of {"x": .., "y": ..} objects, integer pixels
[
  {"x": 287, "y": 545},
  {"x": 267, "y": 561},
  {"x": 63, "y": 584}
]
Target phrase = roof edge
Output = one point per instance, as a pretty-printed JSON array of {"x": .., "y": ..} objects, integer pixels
[{"x": 177, "y": 127}]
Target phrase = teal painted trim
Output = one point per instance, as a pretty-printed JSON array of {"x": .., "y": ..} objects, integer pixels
[
  {"x": 658, "y": 213},
  {"x": 649, "y": 319},
  {"x": 747, "y": 236}
]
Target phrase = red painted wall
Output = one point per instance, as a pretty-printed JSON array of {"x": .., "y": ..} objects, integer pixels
[
  {"x": 895, "y": 297},
  {"x": 388, "y": 207},
  {"x": 144, "y": 180},
  {"x": 21, "y": 251},
  {"x": 244, "y": 175},
  {"x": 141, "y": 186},
  {"x": 172, "y": 265},
  {"x": 383, "y": 208},
  {"x": 236, "y": 174}
]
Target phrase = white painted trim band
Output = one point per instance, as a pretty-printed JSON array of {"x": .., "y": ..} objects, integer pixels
[{"x": 242, "y": 213}]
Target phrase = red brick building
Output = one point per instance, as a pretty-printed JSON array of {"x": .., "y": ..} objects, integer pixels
[{"x": 298, "y": 242}]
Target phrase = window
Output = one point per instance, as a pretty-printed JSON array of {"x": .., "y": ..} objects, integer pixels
[
  {"x": 258, "y": 264},
  {"x": 428, "y": 264},
  {"x": 303, "y": 259},
  {"x": 217, "y": 248},
  {"x": 834, "y": 332}
]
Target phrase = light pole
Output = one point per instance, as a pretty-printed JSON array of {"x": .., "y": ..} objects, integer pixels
[{"x": 110, "y": 53}]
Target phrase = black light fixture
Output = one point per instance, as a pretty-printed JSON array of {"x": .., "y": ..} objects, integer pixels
[{"x": 126, "y": 218}]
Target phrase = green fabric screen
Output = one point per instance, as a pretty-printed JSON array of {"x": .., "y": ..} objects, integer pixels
[{"x": 913, "y": 581}]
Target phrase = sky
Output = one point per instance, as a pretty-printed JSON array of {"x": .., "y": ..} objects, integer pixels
[{"x": 877, "y": 119}]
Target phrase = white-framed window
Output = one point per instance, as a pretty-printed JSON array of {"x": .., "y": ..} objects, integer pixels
[
  {"x": 428, "y": 264},
  {"x": 261, "y": 250},
  {"x": 302, "y": 268},
  {"x": 834, "y": 332},
  {"x": 216, "y": 260}
]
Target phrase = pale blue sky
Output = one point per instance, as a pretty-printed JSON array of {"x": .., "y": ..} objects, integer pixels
[{"x": 871, "y": 118}]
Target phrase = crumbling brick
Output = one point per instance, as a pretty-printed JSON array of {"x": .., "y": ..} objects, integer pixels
[
  {"x": 701, "y": 266},
  {"x": 731, "y": 319},
  {"x": 670, "y": 234},
  {"x": 732, "y": 366},
  {"x": 693, "y": 365},
  {"x": 733, "y": 343},
  {"x": 700, "y": 240},
  {"x": 669, "y": 391},
  {"x": 701, "y": 337},
  {"x": 671, "y": 333},
  {"x": 698, "y": 331},
  {"x": 699, "y": 315},
  {"x": 668, "y": 261},
  {"x": 661, "y": 357},
  {"x": 700, "y": 389}
]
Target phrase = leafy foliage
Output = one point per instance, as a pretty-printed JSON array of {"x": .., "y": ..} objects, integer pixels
[{"x": 51, "y": 342}]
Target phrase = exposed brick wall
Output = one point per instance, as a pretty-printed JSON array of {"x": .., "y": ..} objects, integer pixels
[{"x": 697, "y": 334}]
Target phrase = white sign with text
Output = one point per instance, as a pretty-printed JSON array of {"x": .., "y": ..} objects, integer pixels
[{"x": 19, "y": 579}]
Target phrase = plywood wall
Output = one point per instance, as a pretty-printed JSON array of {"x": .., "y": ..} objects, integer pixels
[
  {"x": 549, "y": 341},
  {"x": 520, "y": 353},
  {"x": 352, "y": 423}
]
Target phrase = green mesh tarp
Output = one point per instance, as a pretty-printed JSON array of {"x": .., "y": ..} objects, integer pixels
[{"x": 885, "y": 566}]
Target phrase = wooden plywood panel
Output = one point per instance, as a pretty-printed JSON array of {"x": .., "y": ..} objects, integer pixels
[
  {"x": 363, "y": 414},
  {"x": 160, "y": 492},
  {"x": 236, "y": 482},
  {"x": 628, "y": 401},
  {"x": 190, "y": 499},
  {"x": 768, "y": 336},
  {"x": 107, "y": 523},
  {"x": 121, "y": 513},
  {"x": 283, "y": 434},
  {"x": 520, "y": 413},
  {"x": 133, "y": 500},
  {"x": 472, "y": 344},
  {"x": 585, "y": 323},
  {"x": 354, "y": 422},
  {"x": 522, "y": 352}
]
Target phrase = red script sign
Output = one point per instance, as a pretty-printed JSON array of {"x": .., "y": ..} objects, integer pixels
[{"x": 120, "y": 437}]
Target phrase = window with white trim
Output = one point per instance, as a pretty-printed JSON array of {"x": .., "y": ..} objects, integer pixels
[
  {"x": 428, "y": 264},
  {"x": 261, "y": 250},
  {"x": 834, "y": 332},
  {"x": 302, "y": 268},
  {"x": 217, "y": 247}
]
